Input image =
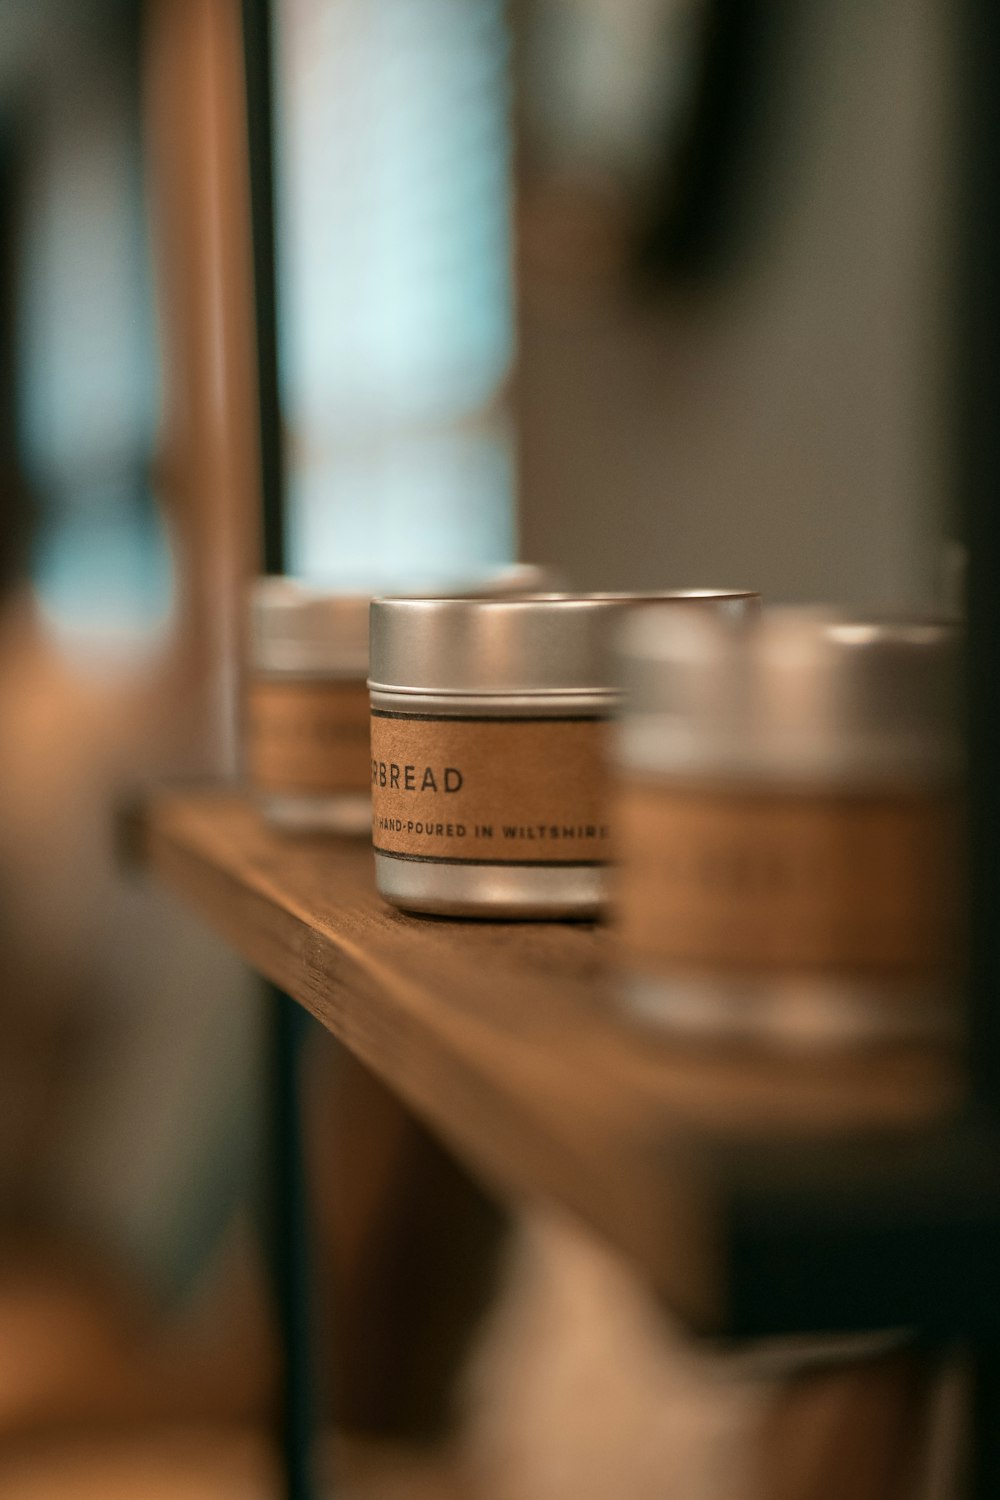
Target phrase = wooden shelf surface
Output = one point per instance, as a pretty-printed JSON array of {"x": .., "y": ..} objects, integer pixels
[{"x": 757, "y": 1194}]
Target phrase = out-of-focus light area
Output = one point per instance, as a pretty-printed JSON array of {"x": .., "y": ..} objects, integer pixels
[{"x": 395, "y": 253}]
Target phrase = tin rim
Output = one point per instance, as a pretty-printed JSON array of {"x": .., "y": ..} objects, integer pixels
[
  {"x": 539, "y": 644},
  {"x": 795, "y": 695}
]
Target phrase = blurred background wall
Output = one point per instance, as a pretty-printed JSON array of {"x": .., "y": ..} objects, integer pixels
[{"x": 769, "y": 400}]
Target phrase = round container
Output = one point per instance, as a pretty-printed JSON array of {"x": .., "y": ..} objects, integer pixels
[
  {"x": 489, "y": 779},
  {"x": 307, "y": 734},
  {"x": 788, "y": 815},
  {"x": 307, "y": 707}
]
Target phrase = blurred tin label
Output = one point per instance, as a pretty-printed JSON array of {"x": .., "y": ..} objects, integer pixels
[
  {"x": 765, "y": 881},
  {"x": 308, "y": 735},
  {"x": 490, "y": 790}
]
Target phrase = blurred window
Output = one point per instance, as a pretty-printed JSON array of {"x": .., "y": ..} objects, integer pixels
[{"x": 395, "y": 151}]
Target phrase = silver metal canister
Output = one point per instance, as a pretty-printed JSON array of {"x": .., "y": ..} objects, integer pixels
[
  {"x": 787, "y": 809},
  {"x": 489, "y": 767},
  {"x": 306, "y": 721}
]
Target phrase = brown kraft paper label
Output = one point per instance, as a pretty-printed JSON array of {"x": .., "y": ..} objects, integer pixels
[
  {"x": 308, "y": 735},
  {"x": 490, "y": 791},
  {"x": 752, "y": 880}
]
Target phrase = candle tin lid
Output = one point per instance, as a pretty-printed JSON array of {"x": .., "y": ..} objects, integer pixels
[
  {"x": 298, "y": 627},
  {"x": 545, "y": 644},
  {"x": 789, "y": 695}
]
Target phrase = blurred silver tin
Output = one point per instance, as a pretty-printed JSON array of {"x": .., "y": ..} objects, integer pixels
[
  {"x": 307, "y": 726},
  {"x": 489, "y": 757},
  {"x": 300, "y": 629},
  {"x": 788, "y": 812},
  {"x": 306, "y": 716}
]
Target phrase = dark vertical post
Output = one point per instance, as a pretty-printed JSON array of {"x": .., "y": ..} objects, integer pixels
[
  {"x": 290, "y": 1246},
  {"x": 13, "y": 481},
  {"x": 979, "y": 434},
  {"x": 289, "y": 1205},
  {"x": 258, "y": 54},
  {"x": 978, "y": 161}
]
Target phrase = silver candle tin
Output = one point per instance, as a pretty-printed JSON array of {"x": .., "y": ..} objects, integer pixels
[
  {"x": 307, "y": 728},
  {"x": 306, "y": 707},
  {"x": 489, "y": 764},
  {"x": 787, "y": 810}
]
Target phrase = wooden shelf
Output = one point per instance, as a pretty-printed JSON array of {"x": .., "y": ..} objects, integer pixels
[{"x": 757, "y": 1195}]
